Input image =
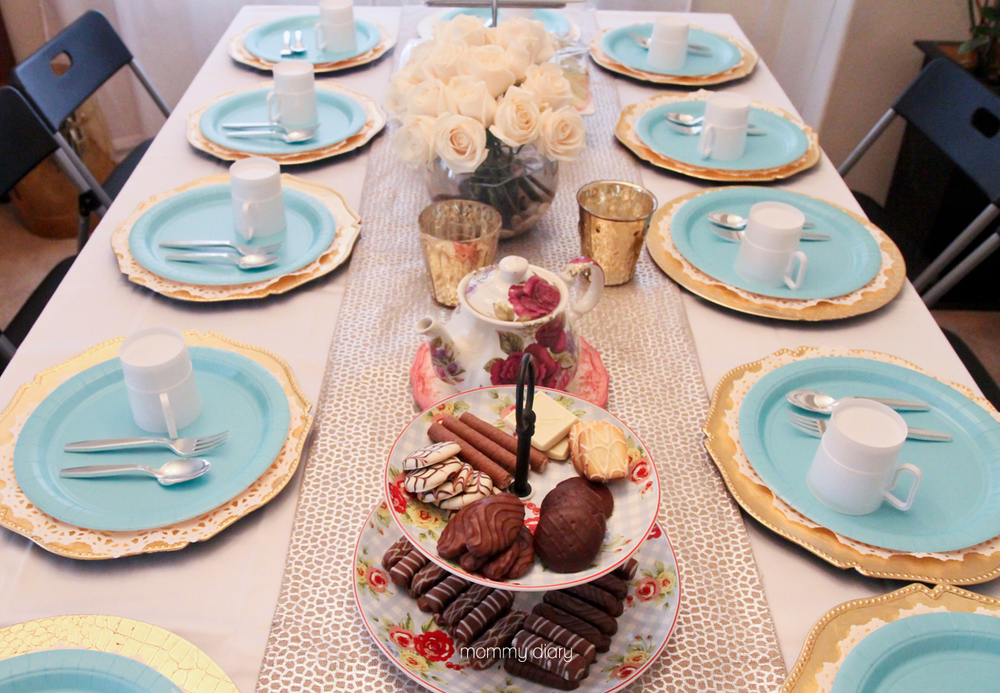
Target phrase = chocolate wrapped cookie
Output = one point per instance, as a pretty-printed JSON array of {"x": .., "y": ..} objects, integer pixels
[
  {"x": 569, "y": 536},
  {"x": 492, "y": 524}
]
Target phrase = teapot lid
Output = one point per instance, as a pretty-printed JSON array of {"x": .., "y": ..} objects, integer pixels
[{"x": 512, "y": 291}]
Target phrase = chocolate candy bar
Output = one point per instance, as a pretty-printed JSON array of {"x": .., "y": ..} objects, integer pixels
[
  {"x": 605, "y": 601},
  {"x": 559, "y": 635},
  {"x": 425, "y": 578},
  {"x": 613, "y": 584},
  {"x": 465, "y": 603},
  {"x": 395, "y": 553},
  {"x": 582, "y": 610},
  {"x": 602, "y": 642},
  {"x": 627, "y": 570},
  {"x": 534, "y": 673},
  {"x": 442, "y": 594},
  {"x": 485, "y": 613},
  {"x": 406, "y": 568},
  {"x": 559, "y": 660},
  {"x": 487, "y": 648}
]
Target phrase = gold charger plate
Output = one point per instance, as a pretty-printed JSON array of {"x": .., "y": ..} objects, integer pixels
[
  {"x": 879, "y": 291},
  {"x": 239, "y": 53},
  {"x": 375, "y": 120},
  {"x": 19, "y": 515},
  {"x": 626, "y": 134},
  {"x": 965, "y": 566},
  {"x": 185, "y": 665},
  {"x": 843, "y": 627},
  {"x": 348, "y": 228},
  {"x": 748, "y": 61}
]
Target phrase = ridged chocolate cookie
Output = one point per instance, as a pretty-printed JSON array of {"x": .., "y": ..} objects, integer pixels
[
  {"x": 451, "y": 543},
  {"x": 492, "y": 524},
  {"x": 525, "y": 556},
  {"x": 580, "y": 490},
  {"x": 569, "y": 536}
]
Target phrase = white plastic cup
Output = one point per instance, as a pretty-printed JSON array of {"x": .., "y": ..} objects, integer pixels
[
  {"x": 258, "y": 203},
  {"x": 335, "y": 31},
  {"x": 855, "y": 467},
  {"x": 292, "y": 103},
  {"x": 159, "y": 379},
  {"x": 724, "y": 129},
  {"x": 769, "y": 251},
  {"x": 668, "y": 44}
]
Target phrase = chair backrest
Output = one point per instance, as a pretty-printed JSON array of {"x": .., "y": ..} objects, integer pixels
[
  {"x": 25, "y": 141},
  {"x": 94, "y": 51},
  {"x": 959, "y": 115}
]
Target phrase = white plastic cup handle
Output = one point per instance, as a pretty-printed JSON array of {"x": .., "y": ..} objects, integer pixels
[
  {"x": 908, "y": 503},
  {"x": 794, "y": 284},
  {"x": 706, "y": 141},
  {"x": 320, "y": 38},
  {"x": 168, "y": 414},
  {"x": 248, "y": 219},
  {"x": 275, "y": 118}
]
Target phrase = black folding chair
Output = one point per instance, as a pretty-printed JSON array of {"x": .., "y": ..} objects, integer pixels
[
  {"x": 961, "y": 117},
  {"x": 95, "y": 52},
  {"x": 26, "y": 141}
]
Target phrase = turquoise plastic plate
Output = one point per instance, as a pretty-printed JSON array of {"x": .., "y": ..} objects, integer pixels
[
  {"x": 207, "y": 214},
  {"x": 927, "y": 653},
  {"x": 958, "y": 503},
  {"x": 842, "y": 265},
  {"x": 340, "y": 117},
  {"x": 784, "y": 142},
  {"x": 80, "y": 671},
  {"x": 239, "y": 396},
  {"x": 266, "y": 40},
  {"x": 622, "y": 48},
  {"x": 554, "y": 22}
]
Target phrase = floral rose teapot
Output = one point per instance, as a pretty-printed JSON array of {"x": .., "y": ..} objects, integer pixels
[{"x": 508, "y": 310}]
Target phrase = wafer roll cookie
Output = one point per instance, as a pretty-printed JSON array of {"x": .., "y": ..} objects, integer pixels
[
  {"x": 627, "y": 570},
  {"x": 602, "y": 642},
  {"x": 486, "y": 613},
  {"x": 581, "y": 609},
  {"x": 465, "y": 603},
  {"x": 406, "y": 568},
  {"x": 613, "y": 584},
  {"x": 550, "y": 656},
  {"x": 488, "y": 447},
  {"x": 442, "y": 594},
  {"x": 425, "y": 578},
  {"x": 538, "y": 460},
  {"x": 605, "y": 601},
  {"x": 486, "y": 648},
  {"x": 559, "y": 635},
  {"x": 395, "y": 553},
  {"x": 479, "y": 461},
  {"x": 535, "y": 674}
]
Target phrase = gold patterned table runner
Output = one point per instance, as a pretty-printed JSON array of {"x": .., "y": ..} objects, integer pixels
[{"x": 724, "y": 639}]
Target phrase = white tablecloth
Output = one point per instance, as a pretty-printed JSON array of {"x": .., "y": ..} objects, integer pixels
[{"x": 220, "y": 595}]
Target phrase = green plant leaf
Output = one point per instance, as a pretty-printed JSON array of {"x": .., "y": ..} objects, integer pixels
[
  {"x": 511, "y": 342},
  {"x": 972, "y": 44}
]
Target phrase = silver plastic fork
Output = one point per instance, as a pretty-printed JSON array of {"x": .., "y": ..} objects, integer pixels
[
  {"x": 693, "y": 48},
  {"x": 816, "y": 428},
  {"x": 182, "y": 447},
  {"x": 238, "y": 247}
]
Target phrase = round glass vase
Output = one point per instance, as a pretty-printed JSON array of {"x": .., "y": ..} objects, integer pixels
[{"x": 519, "y": 183}]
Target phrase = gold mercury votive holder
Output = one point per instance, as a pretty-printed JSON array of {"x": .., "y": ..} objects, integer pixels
[
  {"x": 458, "y": 237},
  {"x": 614, "y": 218}
]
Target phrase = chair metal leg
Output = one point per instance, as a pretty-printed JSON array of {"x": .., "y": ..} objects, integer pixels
[
  {"x": 863, "y": 146},
  {"x": 985, "y": 249},
  {"x": 956, "y": 247},
  {"x": 88, "y": 203},
  {"x": 161, "y": 104},
  {"x": 7, "y": 348},
  {"x": 91, "y": 182}
]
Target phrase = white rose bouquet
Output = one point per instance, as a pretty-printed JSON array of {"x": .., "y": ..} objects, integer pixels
[{"x": 486, "y": 113}]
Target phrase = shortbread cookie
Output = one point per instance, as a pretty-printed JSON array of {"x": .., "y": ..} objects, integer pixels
[
  {"x": 431, "y": 454},
  {"x": 599, "y": 450}
]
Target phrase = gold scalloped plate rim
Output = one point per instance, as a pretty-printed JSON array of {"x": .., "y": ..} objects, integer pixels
[
  {"x": 823, "y": 642},
  {"x": 757, "y": 500},
  {"x": 729, "y": 298},
  {"x": 626, "y": 134},
  {"x": 374, "y": 124},
  {"x": 239, "y": 53},
  {"x": 748, "y": 61},
  {"x": 95, "y": 633},
  {"x": 298, "y": 433},
  {"x": 337, "y": 254}
]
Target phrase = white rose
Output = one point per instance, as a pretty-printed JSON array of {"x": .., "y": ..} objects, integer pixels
[
  {"x": 461, "y": 142},
  {"x": 400, "y": 86},
  {"x": 518, "y": 60},
  {"x": 427, "y": 98},
  {"x": 468, "y": 96},
  {"x": 562, "y": 135},
  {"x": 413, "y": 142},
  {"x": 418, "y": 54},
  {"x": 517, "y": 118},
  {"x": 488, "y": 63},
  {"x": 550, "y": 85},
  {"x": 464, "y": 29},
  {"x": 442, "y": 63},
  {"x": 529, "y": 33}
]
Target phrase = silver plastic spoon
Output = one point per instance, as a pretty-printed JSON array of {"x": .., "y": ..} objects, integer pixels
[
  {"x": 286, "y": 48},
  {"x": 693, "y": 48},
  {"x": 245, "y": 262},
  {"x": 734, "y": 236},
  {"x": 173, "y": 472},
  {"x": 238, "y": 247},
  {"x": 822, "y": 403},
  {"x": 687, "y": 124},
  {"x": 273, "y": 132},
  {"x": 298, "y": 46},
  {"x": 728, "y": 220}
]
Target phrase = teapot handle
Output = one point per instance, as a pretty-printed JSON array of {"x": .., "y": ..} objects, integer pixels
[{"x": 596, "y": 290}]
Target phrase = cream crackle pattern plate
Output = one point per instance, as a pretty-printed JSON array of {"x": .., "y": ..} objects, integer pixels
[
  {"x": 626, "y": 133},
  {"x": 375, "y": 120},
  {"x": 348, "y": 228},
  {"x": 19, "y": 515},
  {"x": 746, "y": 65},
  {"x": 182, "y": 663},
  {"x": 879, "y": 291},
  {"x": 969, "y": 565},
  {"x": 835, "y": 635},
  {"x": 412, "y": 641},
  {"x": 239, "y": 53}
]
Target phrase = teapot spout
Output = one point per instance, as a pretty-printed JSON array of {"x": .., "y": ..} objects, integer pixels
[{"x": 446, "y": 365}]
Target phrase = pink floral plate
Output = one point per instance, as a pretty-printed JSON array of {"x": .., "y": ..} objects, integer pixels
[
  {"x": 429, "y": 656},
  {"x": 589, "y": 383},
  {"x": 637, "y": 497}
]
